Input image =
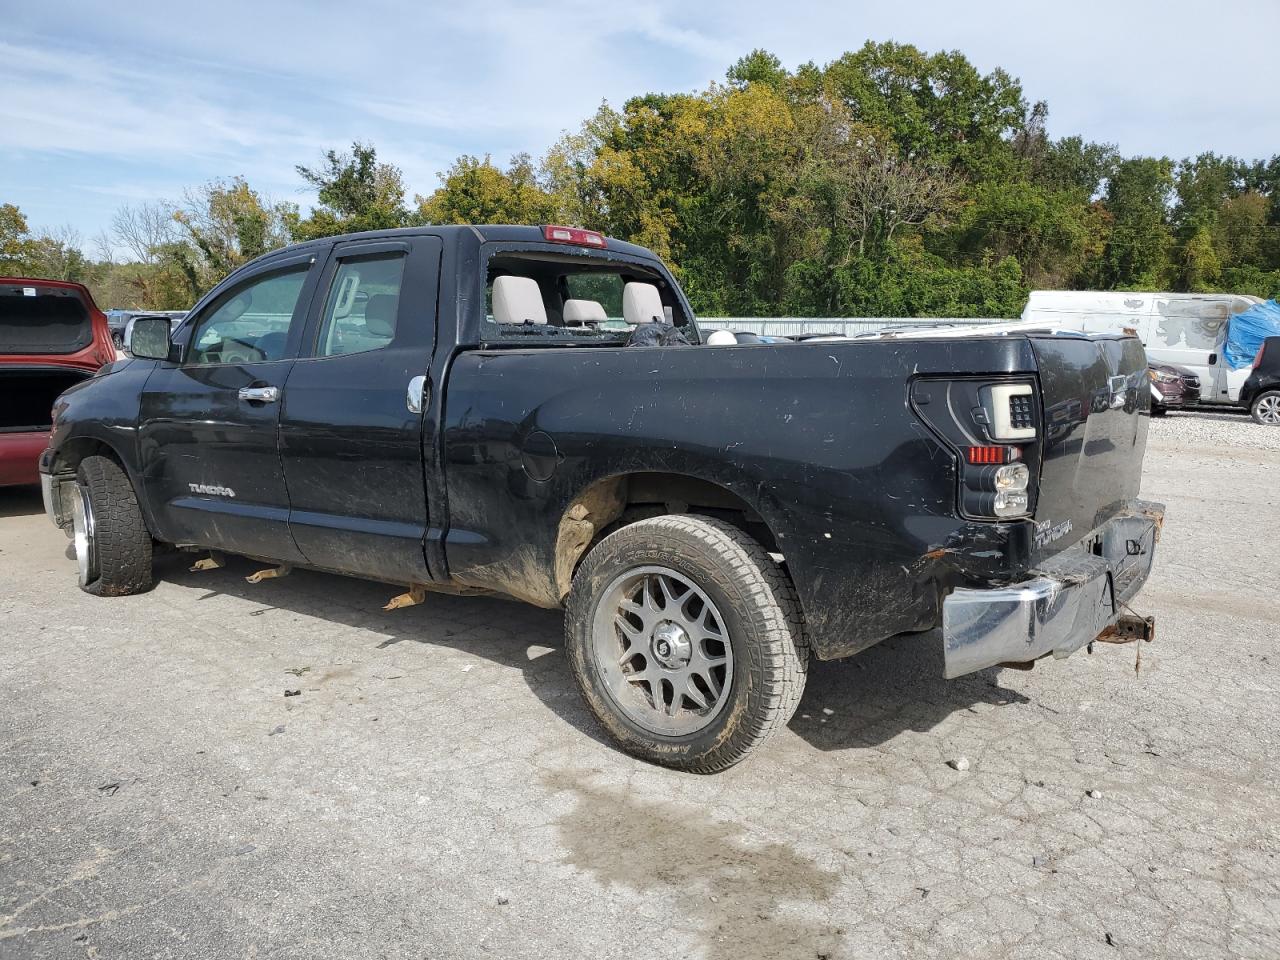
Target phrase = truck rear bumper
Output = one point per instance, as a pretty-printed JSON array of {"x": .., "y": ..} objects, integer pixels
[{"x": 1072, "y": 598}]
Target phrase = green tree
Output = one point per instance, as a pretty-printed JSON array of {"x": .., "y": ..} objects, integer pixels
[
  {"x": 16, "y": 247},
  {"x": 224, "y": 224},
  {"x": 356, "y": 193},
  {"x": 475, "y": 191},
  {"x": 1136, "y": 253}
]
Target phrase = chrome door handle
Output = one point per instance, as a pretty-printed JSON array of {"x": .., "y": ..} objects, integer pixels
[
  {"x": 415, "y": 396},
  {"x": 260, "y": 394}
]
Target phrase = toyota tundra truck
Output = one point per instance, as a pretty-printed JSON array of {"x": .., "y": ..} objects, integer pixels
[{"x": 534, "y": 412}]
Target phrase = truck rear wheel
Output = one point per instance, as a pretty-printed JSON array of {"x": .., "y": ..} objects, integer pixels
[
  {"x": 112, "y": 544},
  {"x": 1266, "y": 408},
  {"x": 687, "y": 641}
]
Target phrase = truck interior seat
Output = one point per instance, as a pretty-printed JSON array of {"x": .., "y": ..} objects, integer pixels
[
  {"x": 518, "y": 300},
  {"x": 380, "y": 315},
  {"x": 642, "y": 303},
  {"x": 579, "y": 312}
]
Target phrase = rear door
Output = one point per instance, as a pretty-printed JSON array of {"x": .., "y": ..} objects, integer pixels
[
  {"x": 207, "y": 424},
  {"x": 1096, "y": 397},
  {"x": 351, "y": 438}
]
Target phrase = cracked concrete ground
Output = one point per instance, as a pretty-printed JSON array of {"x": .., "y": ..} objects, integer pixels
[{"x": 438, "y": 790}]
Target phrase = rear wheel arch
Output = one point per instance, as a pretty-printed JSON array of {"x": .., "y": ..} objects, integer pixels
[{"x": 611, "y": 503}]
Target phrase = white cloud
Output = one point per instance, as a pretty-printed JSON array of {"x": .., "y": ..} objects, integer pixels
[{"x": 126, "y": 100}]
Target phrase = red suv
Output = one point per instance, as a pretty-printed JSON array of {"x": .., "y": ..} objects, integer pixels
[{"x": 52, "y": 335}]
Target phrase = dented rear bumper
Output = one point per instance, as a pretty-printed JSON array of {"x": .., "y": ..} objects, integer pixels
[{"x": 1068, "y": 602}]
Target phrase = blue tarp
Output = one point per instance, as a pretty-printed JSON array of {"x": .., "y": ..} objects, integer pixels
[{"x": 1247, "y": 331}]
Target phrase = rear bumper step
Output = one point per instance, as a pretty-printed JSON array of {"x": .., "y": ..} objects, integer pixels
[{"x": 1072, "y": 598}]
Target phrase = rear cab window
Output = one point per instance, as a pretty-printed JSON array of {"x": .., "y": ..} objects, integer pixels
[{"x": 582, "y": 299}]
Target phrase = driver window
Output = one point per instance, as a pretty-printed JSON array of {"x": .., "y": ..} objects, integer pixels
[{"x": 251, "y": 324}]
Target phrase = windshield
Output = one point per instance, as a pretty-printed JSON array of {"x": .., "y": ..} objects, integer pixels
[{"x": 43, "y": 320}]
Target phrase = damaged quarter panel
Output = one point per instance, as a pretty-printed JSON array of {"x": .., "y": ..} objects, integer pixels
[{"x": 819, "y": 439}]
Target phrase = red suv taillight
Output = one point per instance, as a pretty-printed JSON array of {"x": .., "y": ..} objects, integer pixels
[{"x": 1257, "y": 361}]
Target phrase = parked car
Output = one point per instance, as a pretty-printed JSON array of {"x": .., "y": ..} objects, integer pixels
[
  {"x": 1172, "y": 387},
  {"x": 119, "y": 321},
  {"x": 464, "y": 409},
  {"x": 1261, "y": 392},
  {"x": 51, "y": 337},
  {"x": 1186, "y": 329}
]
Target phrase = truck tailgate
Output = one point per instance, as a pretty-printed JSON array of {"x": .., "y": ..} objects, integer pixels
[{"x": 1096, "y": 405}]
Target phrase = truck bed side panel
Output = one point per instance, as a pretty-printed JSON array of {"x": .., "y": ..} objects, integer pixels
[{"x": 818, "y": 438}]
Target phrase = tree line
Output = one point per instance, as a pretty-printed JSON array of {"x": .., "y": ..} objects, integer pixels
[{"x": 889, "y": 182}]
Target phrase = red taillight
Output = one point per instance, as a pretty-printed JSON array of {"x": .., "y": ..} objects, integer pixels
[
  {"x": 996, "y": 455},
  {"x": 575, "y": 235},
  {"x": 1257, "y": 361}
]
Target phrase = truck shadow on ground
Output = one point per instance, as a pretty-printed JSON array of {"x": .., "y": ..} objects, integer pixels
[
  {"x": 895, "y": 686},
  {"x": 868, "y": 700},
  {"x": 20, "y": 502}
]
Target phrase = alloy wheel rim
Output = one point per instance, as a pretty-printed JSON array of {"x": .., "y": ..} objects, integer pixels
[
  {"x": 82, "y": 537},
  {"x": 1269, "y": 409},
  {"x": 663, "y": 651}
]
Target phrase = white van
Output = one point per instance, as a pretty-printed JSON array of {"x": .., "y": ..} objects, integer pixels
[{"x": 1189, "y": 329}]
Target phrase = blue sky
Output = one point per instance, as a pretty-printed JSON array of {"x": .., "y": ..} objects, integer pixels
[{"x": 106, "y": 104}]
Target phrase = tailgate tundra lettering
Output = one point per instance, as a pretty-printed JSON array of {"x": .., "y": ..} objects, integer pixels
[{"x": 1047, "y": 533}]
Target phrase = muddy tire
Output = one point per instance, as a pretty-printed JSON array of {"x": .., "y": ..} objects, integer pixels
[
  {"x": 687, "y": 641},
  {"x": 1266, "y": 408},
  {"x": 111, "y": 541}
]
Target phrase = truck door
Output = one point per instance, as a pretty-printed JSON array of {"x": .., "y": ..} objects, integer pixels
[
  {"x": 351, "y": 430},
  {"x": 207, "y": 424}
]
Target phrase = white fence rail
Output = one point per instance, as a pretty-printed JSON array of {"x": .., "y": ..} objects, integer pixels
[{"x": 849, "y": 326}]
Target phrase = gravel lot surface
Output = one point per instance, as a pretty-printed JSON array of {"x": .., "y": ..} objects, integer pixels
[{"x": 436, "y": 788}]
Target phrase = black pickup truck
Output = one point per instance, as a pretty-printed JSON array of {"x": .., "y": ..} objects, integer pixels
[{"x": 534, "y": 412}]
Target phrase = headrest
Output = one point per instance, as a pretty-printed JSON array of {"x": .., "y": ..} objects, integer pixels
[
  {"x": 720, "y": 338},
  {"x": 517, "y": 299},
  {"x": 641, "y": 303},
  {"x": 380, "y": 314},
  {"x": 578, "y": 312}
]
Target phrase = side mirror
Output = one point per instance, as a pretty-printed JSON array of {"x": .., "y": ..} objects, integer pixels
[{"x": 148, "y": 338}]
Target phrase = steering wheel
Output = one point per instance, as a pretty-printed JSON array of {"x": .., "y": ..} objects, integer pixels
[{"x": 238, "y": 351}]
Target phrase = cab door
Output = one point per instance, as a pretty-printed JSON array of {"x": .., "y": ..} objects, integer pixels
[
  {"x": 351, "y": 428},
  {"x": 208, "y": 421}
]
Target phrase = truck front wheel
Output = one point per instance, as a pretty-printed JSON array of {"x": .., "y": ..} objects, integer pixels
[
  {"x": 687, "y": 641},
  {"x": 112, "y": 544}
]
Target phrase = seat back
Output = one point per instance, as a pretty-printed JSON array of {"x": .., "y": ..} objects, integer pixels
[
  {"x": 578, "y": 312},
  {"x": 517, "y": 300},
  {"x": 380, "y": 315},
  {"x": 642, "y": 303}
]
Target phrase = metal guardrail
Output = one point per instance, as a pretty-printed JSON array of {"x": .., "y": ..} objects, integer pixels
[{"x": 848, "y": 326}]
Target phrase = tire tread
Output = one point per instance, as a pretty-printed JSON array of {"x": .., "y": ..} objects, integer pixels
[
  {"x": 121, "y": 539},
  {"x": 783, "y": 652}
]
